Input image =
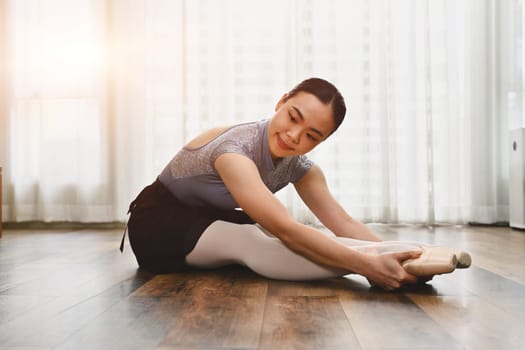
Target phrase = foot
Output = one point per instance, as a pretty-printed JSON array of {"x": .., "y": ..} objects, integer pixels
[{"x": 434, "y": 260}]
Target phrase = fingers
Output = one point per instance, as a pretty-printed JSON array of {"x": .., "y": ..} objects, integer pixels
[
  {"x": 397, "y": 283},
  {"x": 408, "y": 278},
  {"x": 402, "y": 256},
  {"x": 393, "y": 274},
  {"x": 401, "y": 276}
]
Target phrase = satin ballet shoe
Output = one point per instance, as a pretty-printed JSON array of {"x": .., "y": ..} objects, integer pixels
[
  {"x": 464, "y": 260},
  {"x": 433, "y": 260}
]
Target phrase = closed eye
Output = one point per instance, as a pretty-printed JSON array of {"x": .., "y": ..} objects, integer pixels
[{"x": 311, "y": 137}]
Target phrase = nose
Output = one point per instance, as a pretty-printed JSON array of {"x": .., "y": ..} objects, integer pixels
[{"x": 294, "y": 135}]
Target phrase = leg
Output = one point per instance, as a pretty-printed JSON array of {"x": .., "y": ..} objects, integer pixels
[{"x": 224, "y": 243}]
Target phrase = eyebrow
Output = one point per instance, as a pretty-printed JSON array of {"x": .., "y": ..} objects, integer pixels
[{"x": 302, "y": 118}]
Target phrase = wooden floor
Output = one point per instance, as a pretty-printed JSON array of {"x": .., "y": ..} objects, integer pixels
[{"x": 75, "y": 290}]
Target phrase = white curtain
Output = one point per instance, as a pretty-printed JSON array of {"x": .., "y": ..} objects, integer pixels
[{"x": 97, "y": 96}]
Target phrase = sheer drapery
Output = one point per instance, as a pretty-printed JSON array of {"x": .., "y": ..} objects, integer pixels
[{"x": 99, "y": 94}]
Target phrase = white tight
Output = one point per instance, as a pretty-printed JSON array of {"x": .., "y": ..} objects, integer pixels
[{"x": 224, "y": 243}]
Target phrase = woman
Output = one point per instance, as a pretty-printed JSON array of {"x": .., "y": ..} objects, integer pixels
[{"x": 190, "y": 217}]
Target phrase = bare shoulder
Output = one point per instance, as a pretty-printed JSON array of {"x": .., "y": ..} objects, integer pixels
[{"x": 206, "y": 137}]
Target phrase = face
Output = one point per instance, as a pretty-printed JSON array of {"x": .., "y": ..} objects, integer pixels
[{"x": 300, "y": 123}]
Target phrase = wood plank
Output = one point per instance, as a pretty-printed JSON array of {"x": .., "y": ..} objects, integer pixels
[
  {"x": 494, "y": 289},
  {"x": 57, "y": 282},
  {"x": 221, "y": 310},
  {"x": 486, "y": 283},
  {"x": 287, "y": 288},
  {"x": 50, "y": 322},
  {"x": 13, "y": 306},
  {"x": 306, "y": 322},
  {"x": 133, "y": 323},
  {"x": 474, "y": 322},
  {"x": 383, "y": 320},
  {"x": 501, "y": 251}
]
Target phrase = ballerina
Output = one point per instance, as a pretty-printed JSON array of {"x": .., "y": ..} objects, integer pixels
[{"x": 214, "y": 204}]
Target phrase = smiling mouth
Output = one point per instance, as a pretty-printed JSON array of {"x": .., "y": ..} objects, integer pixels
[{"x": 283, "y": 144}]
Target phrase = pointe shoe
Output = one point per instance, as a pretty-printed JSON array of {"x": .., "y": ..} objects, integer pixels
[
  {"x": 433, "y": 260},
  {"x": 464, "y": 260}
]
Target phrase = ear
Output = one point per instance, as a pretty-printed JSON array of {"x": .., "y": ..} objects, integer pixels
[{"x": 281, "y": 101}]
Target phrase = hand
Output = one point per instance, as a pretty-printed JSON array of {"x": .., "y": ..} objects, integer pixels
[{"x": 385, "y": 270}]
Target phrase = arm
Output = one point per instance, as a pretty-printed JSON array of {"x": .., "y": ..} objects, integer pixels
[
  {"x": 314, "y": 192},
  {"x": 241, "y": 177}
]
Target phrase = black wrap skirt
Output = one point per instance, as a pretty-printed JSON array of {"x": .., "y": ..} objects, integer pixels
[{"x": 163, "y": 230}]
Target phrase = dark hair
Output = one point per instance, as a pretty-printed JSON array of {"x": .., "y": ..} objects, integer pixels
[{"x": 327, "y": 93}]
